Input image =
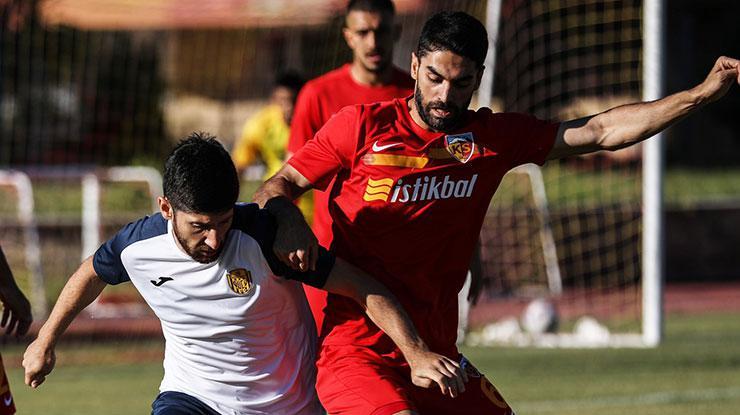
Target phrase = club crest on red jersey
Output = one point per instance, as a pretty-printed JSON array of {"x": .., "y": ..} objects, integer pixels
[
  {"x": 460, "y": 146},
  {"x": 240, "y": 280}
]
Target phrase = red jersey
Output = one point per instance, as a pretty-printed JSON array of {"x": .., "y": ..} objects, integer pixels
[
  {"x": 7, "y": 407},
  {"x": 323, "y": 97},
  {"x": 408, "y": 205}
]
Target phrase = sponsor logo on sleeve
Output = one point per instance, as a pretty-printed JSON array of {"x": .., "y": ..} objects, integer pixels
[
  {"x": 240, "y": 280},
  {"x": 460, "y": 146}
]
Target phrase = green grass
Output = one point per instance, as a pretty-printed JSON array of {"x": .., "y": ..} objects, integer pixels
[{"x": 696, "y": 370}]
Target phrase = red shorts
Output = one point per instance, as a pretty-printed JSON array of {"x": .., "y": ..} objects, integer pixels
[
  {"x": 358, "y": 381},
  {"x": 7, "y": 406}
]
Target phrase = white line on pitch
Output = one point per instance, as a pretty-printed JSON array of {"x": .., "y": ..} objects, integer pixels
[{"x": 658, "y": 398}]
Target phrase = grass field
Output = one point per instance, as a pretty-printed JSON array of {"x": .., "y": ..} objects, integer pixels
[{"x": 696, "y": 370}]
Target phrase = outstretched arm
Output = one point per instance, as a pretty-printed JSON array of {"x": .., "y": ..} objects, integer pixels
[
  {"x": 427, "y": 368},
  {"x": 295, "y": 244},
  {"x": 16, "y": 308},
  {"x": 81, "y": 289},
  {"x": 629, "y": 124}
]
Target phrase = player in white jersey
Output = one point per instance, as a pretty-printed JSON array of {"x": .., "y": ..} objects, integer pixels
[{"x": 239, "y": 335}]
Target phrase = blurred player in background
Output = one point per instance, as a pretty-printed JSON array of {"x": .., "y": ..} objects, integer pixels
[
  {"x": 239, "y": 339},
  {"x": 16, "y": 320},
  {"x": 265, "y": 135},
  {"x": 414, "y": 178},
  {"x": 370, "y": 32}
]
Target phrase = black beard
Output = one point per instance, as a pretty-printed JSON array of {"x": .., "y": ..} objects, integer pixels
[
  {"x": 437, "y": 124},
  {"x": 200, "y": 257}
]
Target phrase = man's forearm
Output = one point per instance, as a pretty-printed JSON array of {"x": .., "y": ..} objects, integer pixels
[
  {"x": 629, "y": 124},
  {"x": 277, "y": 195},
  {"x": 81, "y": 289},
  {"x": 380, "y": 305}
]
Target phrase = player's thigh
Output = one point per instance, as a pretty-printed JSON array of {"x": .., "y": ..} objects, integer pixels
[
  {"x": 178, "y": 403},
  {"x": 361, "y": 383},
  {"x": 480, "y": 397}
]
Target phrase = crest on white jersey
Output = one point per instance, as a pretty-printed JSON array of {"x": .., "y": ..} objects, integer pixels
[
  {"x": 240, "y": 280},
  {"x": 460, "y": 146}
]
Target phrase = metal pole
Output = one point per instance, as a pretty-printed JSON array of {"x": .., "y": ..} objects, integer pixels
[
  {"x": 485, "y": 92},
  {"x": 652, "y": 181}
]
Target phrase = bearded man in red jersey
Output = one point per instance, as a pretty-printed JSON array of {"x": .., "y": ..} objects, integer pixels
[{"x": 413, "y": 180}]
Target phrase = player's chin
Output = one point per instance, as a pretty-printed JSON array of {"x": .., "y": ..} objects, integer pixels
[
  {"x": 376, "y": 66},
  {"x": 444, "y": 124},
  {"x": 205, "y": 257}
]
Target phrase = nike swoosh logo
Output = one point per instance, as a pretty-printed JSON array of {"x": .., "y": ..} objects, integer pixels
[
  {"x": 161, "y": 281},
  {"x": 8, "y": 400},
  {"x": 377, "y": 148}
]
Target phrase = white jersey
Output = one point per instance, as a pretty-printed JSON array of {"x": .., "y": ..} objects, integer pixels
[{"x": 238, "y": 337}]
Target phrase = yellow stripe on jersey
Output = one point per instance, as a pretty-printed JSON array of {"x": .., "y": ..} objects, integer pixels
[
  {"x": 369, "y": 198},
  {"x": 438, "y": 153},
  {"x": 380, "y": 182},
  {"x": 377, "y": 189},
  {"x": 395, "y": 160}
]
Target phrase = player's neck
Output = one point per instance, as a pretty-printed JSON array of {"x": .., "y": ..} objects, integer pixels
[{"x": 367, "y": 78}]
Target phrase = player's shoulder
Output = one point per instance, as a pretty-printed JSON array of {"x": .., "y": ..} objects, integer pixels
[
  {"x": 253, "y": 221},
  {"x": 327, "y": 80},
  {"x": 380, "y": 108},
  {"x": 145, "y": 228},
  {"x": 487, "y": 116}
]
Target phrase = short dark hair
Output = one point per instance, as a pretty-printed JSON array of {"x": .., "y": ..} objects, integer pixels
[
  {"x": 379, "y": 6},
  {"x": 199, "y": 176},
  {"x": 291, "y": 80},
  {"x": 457, "y": 32}
]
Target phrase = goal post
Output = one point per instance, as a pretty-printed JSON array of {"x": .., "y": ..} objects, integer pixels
[
  {"x": 652, "y": 191},
  {"x": 561, "y": 60}
]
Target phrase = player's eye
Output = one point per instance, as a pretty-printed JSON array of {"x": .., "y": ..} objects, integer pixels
[{"x": 435, "y": 79}]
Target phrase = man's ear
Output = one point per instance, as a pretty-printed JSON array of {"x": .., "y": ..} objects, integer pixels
[
  {"x": 414, "y": 66},
  {"x": 165, "y": 208},
  {"x": 348, "y": 39},
  {"x": 479, "y": 77}
]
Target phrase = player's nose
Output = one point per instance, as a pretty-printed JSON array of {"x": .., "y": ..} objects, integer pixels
[
  {"x": 444, "y": 91},
  {"x": 213, "y": 239},
  {"x": 371, "y": 40}
]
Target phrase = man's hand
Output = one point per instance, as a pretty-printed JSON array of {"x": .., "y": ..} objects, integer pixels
[
  {"x": 16, "y": 308},
  {"x": 38, "y": 361},
  {"x": 295, "y": 244},
  {"x": 724, "y": 73},
  {"x": 16, "y": 311},
  {"x": 429, "y": 368}
]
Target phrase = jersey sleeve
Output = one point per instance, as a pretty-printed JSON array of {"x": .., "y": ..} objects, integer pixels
[
  {"x": 262, "y": 227},
  {"x": 107, "y": 259},
  {"x": 306, "y": 119},
  {"x": 331, "y": 150},
  {"x": 529, "y": 139}
]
